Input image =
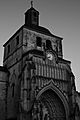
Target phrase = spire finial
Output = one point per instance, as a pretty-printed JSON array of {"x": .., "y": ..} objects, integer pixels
[{"x": 31, "y": 3}]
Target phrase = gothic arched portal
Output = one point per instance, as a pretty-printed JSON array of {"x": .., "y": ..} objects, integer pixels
[{"x": 50, "y": 106}]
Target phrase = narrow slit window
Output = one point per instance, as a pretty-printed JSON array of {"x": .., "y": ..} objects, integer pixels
[
  {"x": 13, "y": 87},
  {"x": 8, "y": 48},
  {"x": 17, "y": 40}
]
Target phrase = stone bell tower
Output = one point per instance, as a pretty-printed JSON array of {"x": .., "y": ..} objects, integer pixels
[{"x": 41, "y": 82}]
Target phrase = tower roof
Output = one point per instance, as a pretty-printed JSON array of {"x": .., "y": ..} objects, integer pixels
[
  {"x": 42, "y": 30},
  {"x": 31, "y": 9}
]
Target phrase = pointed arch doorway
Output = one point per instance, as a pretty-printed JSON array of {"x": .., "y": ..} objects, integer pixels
[{"x": 49, "y": 107}]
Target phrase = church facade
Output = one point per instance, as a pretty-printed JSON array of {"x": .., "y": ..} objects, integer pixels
[{"x": 39, "y": 82}]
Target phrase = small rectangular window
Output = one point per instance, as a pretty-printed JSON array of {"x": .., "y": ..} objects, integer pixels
[
  {"x": 8, "y": 48},
  {"x": 17, "y": 40},
  {"x": 39, "y": 42}
]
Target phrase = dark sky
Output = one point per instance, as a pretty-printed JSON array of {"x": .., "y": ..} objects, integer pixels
[{"x": 61, "y": 17}]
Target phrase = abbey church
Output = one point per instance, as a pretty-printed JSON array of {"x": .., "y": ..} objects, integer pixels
[{"x": 36, "y": 82}]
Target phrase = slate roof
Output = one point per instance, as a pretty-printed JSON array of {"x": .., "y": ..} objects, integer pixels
[
  {"x": 35, "y": 28},
  {"x": 42, "y": 30},
  {"x": 31, "y": 9}
]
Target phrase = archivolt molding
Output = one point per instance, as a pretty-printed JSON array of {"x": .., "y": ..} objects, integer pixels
[
  {"x": 60, "y": 95},
  {"x": 58, "y": 87}
]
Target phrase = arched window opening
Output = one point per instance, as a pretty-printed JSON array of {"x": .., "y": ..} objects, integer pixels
[
  {"x": 48, "y": 44},
  {"x": 39, "y": 41}
]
